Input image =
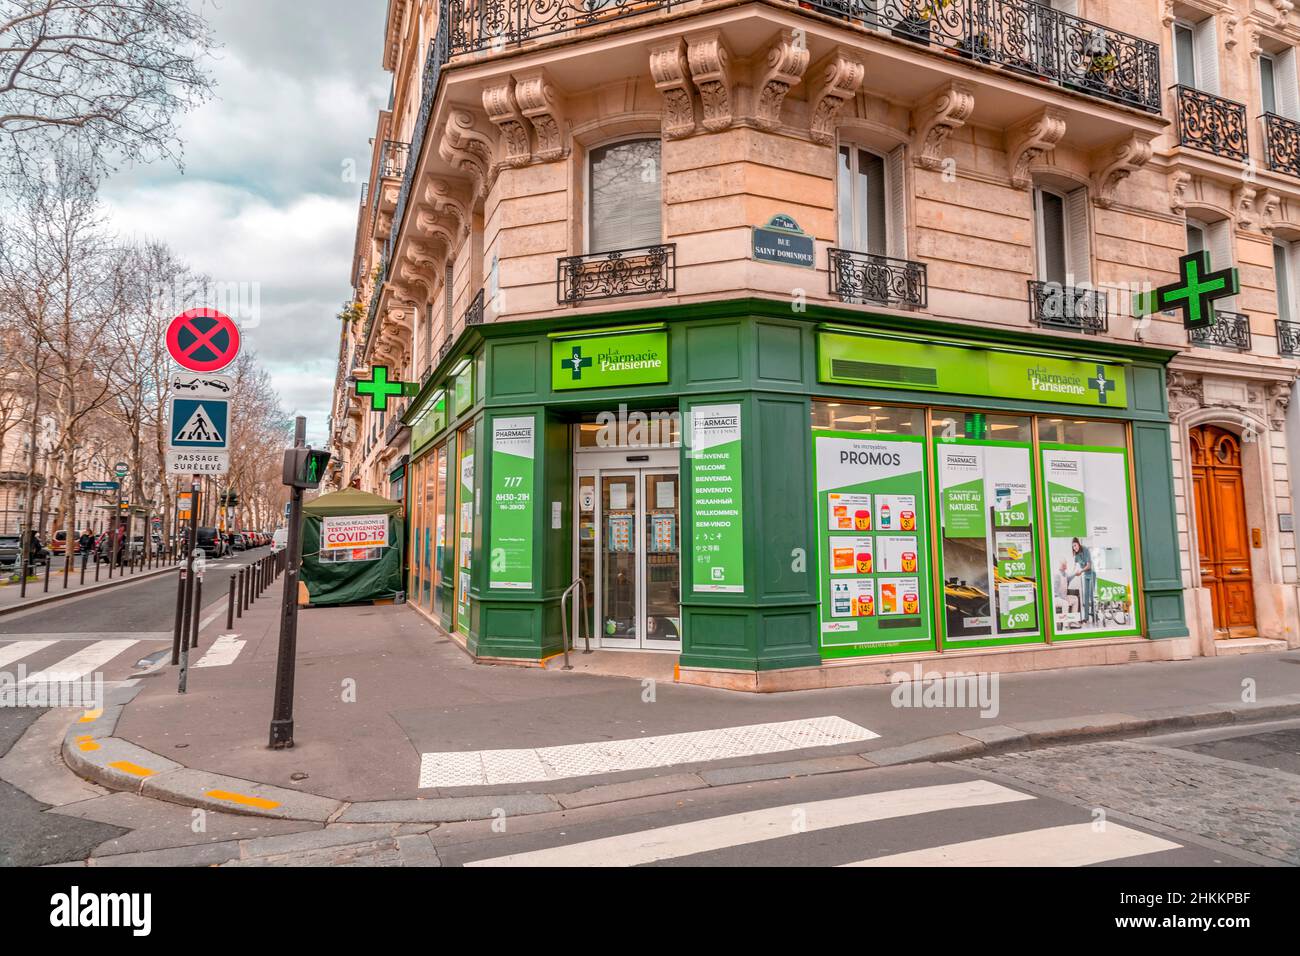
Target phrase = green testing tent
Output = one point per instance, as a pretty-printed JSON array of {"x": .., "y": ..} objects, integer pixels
[{"x": 352, "y": 545}]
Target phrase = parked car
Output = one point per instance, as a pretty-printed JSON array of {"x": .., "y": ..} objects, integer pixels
[
  {"x": 212, "y": 542},
  {"x": 239, "y": 541},
  {"x": 280, "y": 539}
]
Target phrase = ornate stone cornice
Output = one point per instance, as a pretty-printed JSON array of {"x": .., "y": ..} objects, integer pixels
[
  {"x": 672, "y": 76},
  {"x": 1030, "y": 141},
  {"x": 541, "y": 101},
  {"x": 1126, "y": 156},
  {"x": 835, "y": 80},
  {"x": 936, "y": 118},
  {"x": 787, "y": 59},
  {"x": 710, "y": 63}
]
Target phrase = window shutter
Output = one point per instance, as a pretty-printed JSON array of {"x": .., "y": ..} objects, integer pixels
[
  {"x": 448, "y": 280},
  {"x": 896, "y": 222},
  {"x": 1066, "y": 6},
  {"x": 1078, "y": 245},
  {"x": 625, "y": 198},
  {"x": 1207, "y": 55},
  {"x": 1284, "y": 81},
  {"x": 1292, "y": 264},
  {"x": 1220, "y": 248}
]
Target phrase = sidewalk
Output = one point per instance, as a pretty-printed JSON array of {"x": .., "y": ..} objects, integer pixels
[
  {"x": 377, "y": 687},
  {"x": 12, "y": 601}
]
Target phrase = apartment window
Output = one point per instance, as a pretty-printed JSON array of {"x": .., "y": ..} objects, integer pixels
[
  {"x": 1216, "y": 239},
  {"x": 1283, "y": 253},
  {"x": 1061, "y": 226},
  {"x": 624, "y": 201},
  {"x": 1196, "y": 55},
  {"x": 870, "y": 187},
  {"x": 1278, "y": 90}
]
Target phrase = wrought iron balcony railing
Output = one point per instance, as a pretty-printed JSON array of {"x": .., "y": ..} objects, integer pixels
[
  {"x": 1288, "y": 337},
  {"x": 1074, "y": 308},
  {"x": 395, "y": 425},
  {"x": 1211, "y": 123},
  {"x": 863, "y": 277},
  {"x": 392, "y": 158},
  {"x": 474, "y": 314},
  {"x": 1231, "y": 330},
  {"x": 1282, "y": 144},
  {"x": 644, "y": 270},
  {"x": 444, "y": 348}
]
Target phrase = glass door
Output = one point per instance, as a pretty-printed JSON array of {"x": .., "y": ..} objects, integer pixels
[
  {"x": 662, "y": 575},
  {"x": 620, "y": 554}
]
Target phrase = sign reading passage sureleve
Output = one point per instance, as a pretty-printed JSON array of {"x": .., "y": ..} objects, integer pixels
[
  {"x": 717, "y": 506},
  {"x": 354, "y": 531},
  {"x": 603, "y": 361},
  {"x": 513, "y": 449}
]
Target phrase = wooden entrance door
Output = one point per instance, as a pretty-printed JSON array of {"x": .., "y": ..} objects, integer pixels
[{"x": 1222, "y": 535}]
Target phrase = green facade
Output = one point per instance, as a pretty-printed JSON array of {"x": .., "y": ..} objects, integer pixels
[{"x": 763, "y": 356}]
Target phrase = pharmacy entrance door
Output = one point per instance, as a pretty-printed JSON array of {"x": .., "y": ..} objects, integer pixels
[{"x": 628, "y": 552}]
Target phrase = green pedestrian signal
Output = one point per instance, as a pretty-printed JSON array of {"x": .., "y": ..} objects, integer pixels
[{"x": 304, "y": 467}]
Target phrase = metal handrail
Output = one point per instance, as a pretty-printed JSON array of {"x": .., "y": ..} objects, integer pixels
[{"x": 580, "y": 587}]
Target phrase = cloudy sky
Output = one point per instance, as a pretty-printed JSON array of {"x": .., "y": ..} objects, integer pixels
[{"x": 266, "y": 195}]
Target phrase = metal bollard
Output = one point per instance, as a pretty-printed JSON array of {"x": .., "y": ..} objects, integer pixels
[
  {"x": 49, "y": 559},
  {"x": 84, "y": 557},
  {"x": 239, "y": 594},
  {"x": 198, "y": 609},
  {"x": 230, "y": 606}
]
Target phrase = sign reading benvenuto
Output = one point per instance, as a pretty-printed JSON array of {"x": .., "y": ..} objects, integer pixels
[{"x": 604, "y": 361}]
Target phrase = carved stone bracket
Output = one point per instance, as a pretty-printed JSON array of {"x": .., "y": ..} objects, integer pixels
[
  {"x": 542, "y": 103},
  {"x": 1178, "y": 186},
  {"x": 1186, "y": 392},
  {"x": 1267, "y": 204},
  {"x": 1243, "y": 205},
  {"x": 835, "y": 80},
  {"x": 710, "y": 63},
  {"x": 467, "y": 148},
  {"x": 1030, "y": 141},
  {"x": 516, "y": 140},
  {"x": 787, "y": 59},
  {"x": 1278, "y": 400},
  {"x": 672, "y": 76},
  {"x": 936, "y": 118},
  {"x": 1127, "y": 155}
]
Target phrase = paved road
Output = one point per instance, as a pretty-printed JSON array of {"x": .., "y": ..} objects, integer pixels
[{"x": 1091, "y": 805}]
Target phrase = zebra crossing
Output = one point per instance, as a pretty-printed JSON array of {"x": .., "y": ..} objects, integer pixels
[
  {"x": 917, "y": 812},
  {"x": 66, "y": 658}
]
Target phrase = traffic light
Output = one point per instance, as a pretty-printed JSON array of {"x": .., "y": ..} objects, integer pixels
[{"x": 304, "y": 467}]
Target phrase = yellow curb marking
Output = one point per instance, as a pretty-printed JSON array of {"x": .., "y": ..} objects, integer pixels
[
  {"x": 546, "y": 660},
  {"x": 259, "y": 802},
  {"x": 132, "y": 768},
  {"x": 90, "y": 716},
  {"x": 86, "y": 743}
]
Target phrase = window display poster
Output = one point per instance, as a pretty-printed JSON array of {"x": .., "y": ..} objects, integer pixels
[
  {"x": 513, "y": 443},
  {"x": 465, "y": 529},
  {"x": 874, "y": 586},
  {"x": 986, "y": 521},
  {"x": 1089, "y": 541},
  {"x": 717, "y": 502}
]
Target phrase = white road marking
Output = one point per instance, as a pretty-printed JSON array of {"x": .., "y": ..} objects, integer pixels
[
  {"x": 475, "y": 768},
  {"x": 17, "y": 651},
  {"x": 756, "y": 826},
  {"x": 223, "y": 651},
  {"x": 90, "y": 636},
  {"x": 81, "y": 663},
  {"x": 1076, "y": 844}
]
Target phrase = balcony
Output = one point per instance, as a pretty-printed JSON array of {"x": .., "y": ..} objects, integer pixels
[
  {"x": 644, "y": 270},
  {"x": 1071, "y": 308},
  {"x": 392, "y": 159},
  {"x": 1211, "y": 124},
  {"x": 395, "y": 425},
  {"x": 1230, "y": 330},
  {"x": 861, "y": 277},
  {"x": 1288, "y": 338},
  {"x": 1282, "y": 144},
  {"x": 474, "y": 314}
]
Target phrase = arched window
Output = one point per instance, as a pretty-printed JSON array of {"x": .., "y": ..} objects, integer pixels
[{"x": 624, "y": 196}]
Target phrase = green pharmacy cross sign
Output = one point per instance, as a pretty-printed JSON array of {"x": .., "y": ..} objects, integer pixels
[
  {"x": 1101, "y": 384},
  {"x": 379, "y": 388},
  {"x": 1194, "y": 293},
  {"x": 576, "y": 363}
]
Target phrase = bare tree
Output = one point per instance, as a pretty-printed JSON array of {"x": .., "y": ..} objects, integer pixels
[{"x": 112, "y": 75}]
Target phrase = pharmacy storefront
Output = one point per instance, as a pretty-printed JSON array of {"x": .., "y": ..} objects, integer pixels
[{"x": 794, "y": 501}]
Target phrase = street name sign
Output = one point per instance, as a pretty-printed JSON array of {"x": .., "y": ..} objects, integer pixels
[{"x": 100, "y": 486}]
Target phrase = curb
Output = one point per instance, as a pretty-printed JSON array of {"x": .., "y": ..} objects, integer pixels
[
  {"x": 91, "y": 751},
  {"x": 82, "y": 591}
]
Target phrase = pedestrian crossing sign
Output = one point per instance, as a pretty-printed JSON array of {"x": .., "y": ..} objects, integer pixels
[{"x": 200, "y": 423}]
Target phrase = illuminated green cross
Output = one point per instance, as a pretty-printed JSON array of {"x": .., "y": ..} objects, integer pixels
[
  {"x": 1195, "y": 293},
  {"x": 379, "y": 388}
]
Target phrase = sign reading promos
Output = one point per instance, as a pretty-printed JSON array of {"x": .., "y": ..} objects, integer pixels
[
  {"x": 1089, "y": 541},
  {"x": 601, "y": 361},
  {"x": 875, "y": 575},
  {"x": 513, "y": 449},
  {"x": 988, "y": 562},
  {"x": 717, "y": 506},
  {"x": 353, "y": 537}
]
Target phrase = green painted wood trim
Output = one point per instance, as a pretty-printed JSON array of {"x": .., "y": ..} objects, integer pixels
[{"x": 1158, "y": 530}]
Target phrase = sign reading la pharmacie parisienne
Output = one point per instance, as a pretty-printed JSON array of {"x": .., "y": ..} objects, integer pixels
[
  {"x": 631, "y": 357},
  {"x": 854, "y": 359}
]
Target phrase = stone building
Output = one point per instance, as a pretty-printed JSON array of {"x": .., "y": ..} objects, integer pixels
[{"x": 802, "y": 333}]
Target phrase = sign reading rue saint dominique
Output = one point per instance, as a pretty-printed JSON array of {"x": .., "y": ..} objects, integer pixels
[{"x": 783, "y": 242}]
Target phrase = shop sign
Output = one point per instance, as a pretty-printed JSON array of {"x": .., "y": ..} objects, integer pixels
[
  {"x": 880, "y": 362},
  {"x": 873, "y": 544},
  {"x": 605, "y": 361},
  {"x": 717, "y": 502},
  {"x": 354, "y": 531},
  {"x": 513, "y": 451},
  {"x": 783, "y": 242}
]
